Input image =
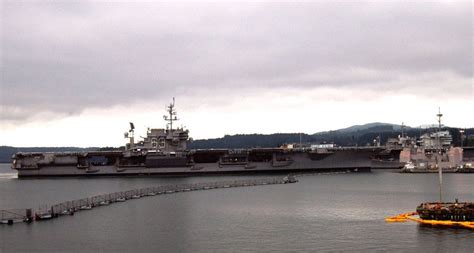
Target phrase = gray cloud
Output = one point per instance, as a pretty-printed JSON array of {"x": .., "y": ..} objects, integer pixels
[{"x": 65, "y": 57}]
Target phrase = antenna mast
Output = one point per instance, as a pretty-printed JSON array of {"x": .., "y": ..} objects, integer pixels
[
  {"x": 403, "y": 129},
  {"x": 440, "y": 171},
  {"x": 301, "y": 142},
  {"x": 171, "y": 115}
]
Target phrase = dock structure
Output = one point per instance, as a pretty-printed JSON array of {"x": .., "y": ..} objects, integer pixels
[{"x": 70, "y": 207}]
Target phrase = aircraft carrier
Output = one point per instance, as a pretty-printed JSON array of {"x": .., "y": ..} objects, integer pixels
[{"x": 165, "y": 152}]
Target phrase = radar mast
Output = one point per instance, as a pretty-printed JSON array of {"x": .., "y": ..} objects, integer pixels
[
  {"x": 171, "y": 116},
  {"x": 403, "y": 129}
]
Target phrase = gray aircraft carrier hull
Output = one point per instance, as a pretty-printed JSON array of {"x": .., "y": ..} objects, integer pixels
[{"x": 353, "y": 159}]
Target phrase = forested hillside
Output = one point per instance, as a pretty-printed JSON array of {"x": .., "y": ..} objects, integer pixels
[{"x": 361, "y": 135}]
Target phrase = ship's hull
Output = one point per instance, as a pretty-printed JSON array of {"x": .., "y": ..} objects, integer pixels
[
  {"x": 358, "y": 160},
  {"x": 68, "y": 172},
  {"x": 380, "y": 164}
]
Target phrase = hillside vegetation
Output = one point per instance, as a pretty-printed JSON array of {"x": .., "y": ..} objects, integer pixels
[{"x": 360, "y": 135}]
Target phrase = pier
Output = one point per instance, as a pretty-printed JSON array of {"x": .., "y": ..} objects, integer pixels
[{"x": 12, "y": 216}]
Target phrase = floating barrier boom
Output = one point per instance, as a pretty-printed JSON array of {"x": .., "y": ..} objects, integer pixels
[
  {"x": 411, "y": 216},
  {"x": 72, "y": 206}
]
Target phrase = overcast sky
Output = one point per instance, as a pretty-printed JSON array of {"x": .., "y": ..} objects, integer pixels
[{"x": 74, "y": 73}]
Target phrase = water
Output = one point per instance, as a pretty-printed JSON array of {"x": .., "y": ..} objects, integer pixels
[{"x": 333, "y": 212}]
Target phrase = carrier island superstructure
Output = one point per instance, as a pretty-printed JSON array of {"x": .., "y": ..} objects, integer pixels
[{"x": 165, "y": 152}]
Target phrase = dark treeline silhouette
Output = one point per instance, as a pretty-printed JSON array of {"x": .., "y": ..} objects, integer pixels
[
  {"x": 355, "y": 136},
  {"x": 361, "y": 137}
]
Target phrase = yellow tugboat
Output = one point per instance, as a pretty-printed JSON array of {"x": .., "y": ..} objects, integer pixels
[{"x": 455, "y": 214}]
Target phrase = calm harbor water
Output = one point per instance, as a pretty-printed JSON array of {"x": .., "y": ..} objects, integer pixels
[{"x": 327, "y": 212}]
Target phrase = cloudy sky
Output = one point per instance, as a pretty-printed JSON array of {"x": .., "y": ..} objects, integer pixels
[{"x": 75, "y": 73}]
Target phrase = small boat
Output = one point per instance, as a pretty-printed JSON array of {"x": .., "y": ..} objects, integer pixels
[
  {"x": 136, "y": 196},
  {"x": 104, "y": 203},
  {"x": 151, "y": 194},
  {"x": 43, "y": 216},
  {"x": 120, "y": 199},
  {"x": 85, "y": 207},
  {"x": 67, "y": 212}
]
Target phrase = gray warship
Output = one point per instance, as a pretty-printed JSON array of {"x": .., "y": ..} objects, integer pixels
[
  {"x": 164, "y": 151},
  {"x": 435, "y": 153}
]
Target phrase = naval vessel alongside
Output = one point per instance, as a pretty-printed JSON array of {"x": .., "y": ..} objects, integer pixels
[{"x": 165, "y": 152}]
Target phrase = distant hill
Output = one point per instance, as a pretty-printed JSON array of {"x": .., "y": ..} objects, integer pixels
[
  {"x": 369, "y": 126},
  {"x": 360, "y": 135},
  {"x": 250, "y": 141}
]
